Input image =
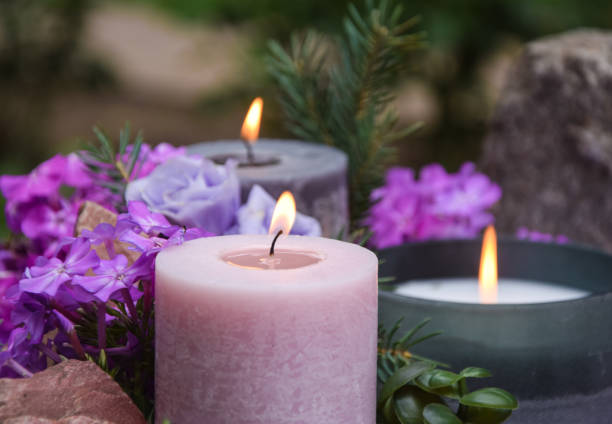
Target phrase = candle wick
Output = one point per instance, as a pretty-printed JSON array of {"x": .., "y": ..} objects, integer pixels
[
  {"x": 274, "y": 242},
  {"x": 249, "y": 149}
]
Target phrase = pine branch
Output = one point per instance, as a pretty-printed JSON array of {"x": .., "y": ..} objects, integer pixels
[
  {"x": 347, "y": 104},
  {"x": 111, "y": 167}
]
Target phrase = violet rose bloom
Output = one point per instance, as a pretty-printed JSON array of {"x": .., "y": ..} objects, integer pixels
[
  {"x": 49, "y": 274},
  {"x": 193, "y": 192},
  {"x": 255, "y": 215},
  {"x": 110, "y": 277}
]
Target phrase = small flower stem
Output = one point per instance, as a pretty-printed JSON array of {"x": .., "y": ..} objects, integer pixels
[
  {"x": 18, "y": 368},
  {"x": 65, "y": 312},
  {"x": 110, "y": 248},
  {"x": 116, "y": 351},
  {"x": 76, "y": 345},
  {"x": 147, "y": 301},
  {"x": 50, "y": 353},
  {"x": 122, "y": 170},
  {"x": 127, "y": 298},
  {"x": 101, "y": 325}
]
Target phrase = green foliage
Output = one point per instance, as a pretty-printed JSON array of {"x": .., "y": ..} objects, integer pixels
[
  {"x": 346, "y": 103},
  {"x": 414, "y": 388},
  {"x": 113, "y": 166}
]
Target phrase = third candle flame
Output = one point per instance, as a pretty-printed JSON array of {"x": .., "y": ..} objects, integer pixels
[{"x": 487, "y": 275}]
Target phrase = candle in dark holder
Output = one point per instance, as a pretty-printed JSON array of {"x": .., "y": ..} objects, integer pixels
[
  {"x": 315, "y": 173},
  {"x": 545, "y": 329}
]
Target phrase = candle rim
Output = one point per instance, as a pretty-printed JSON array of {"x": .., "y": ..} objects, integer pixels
[{"x": 347, "y": 262}]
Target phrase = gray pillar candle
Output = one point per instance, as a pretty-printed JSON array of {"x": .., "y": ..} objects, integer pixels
[{"x": 316, "y": 175}]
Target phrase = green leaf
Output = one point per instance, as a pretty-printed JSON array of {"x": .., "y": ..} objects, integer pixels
[
  {"x": 403, "y": 376},
  {"x": 475, "y": 372},
  {"x": 436, "y": 379},
  {"x": 409, "y": 402},
  {"x": 490, "y": 397},
  {"x": 389, "y": 412},
  {"x": 436, "y": 413},
  {"x": 478, "y": 415}
]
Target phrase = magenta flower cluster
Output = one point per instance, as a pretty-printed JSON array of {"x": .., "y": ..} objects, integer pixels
[
  {"x": 52, "y": 283},
  {"x": 436, "y": 205}
]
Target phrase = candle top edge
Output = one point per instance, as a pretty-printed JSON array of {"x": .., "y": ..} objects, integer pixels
[{"x": 342, "y": 262}]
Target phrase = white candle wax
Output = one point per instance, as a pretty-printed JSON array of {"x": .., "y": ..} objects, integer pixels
[
  {"x": 245, "y": 338},
  {"x": 510, "y": 291}
]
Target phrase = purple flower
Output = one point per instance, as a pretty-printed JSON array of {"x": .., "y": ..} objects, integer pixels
[
  {"x": 49, "y": 274},
  {"x": 149, "y": 222},
  {"x": 149, "y": 159},
  {"x": 30, "y": 311},
  {"x": 43, "y": 181},
  {"x": 41, "y": 220},
  {"x": 255, "y": 215},
  {"x": 110, "y": 277},
  {"x": 192, "y": 192},
  {"x": 526, "y": 234},
  {"x": 437, "y": 205}
]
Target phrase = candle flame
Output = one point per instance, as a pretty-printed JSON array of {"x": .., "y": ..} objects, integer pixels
[
  {"x": 284, "y": 214},
  {"x": 250, "y": 126},
  {"x": 487, "y": 276}
]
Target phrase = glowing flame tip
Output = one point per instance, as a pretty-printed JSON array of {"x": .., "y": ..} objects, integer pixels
[
  {"x": 252, "y": 121},
  {"x": 284, "y": 214},
  {"x": 487, "y": 275}
]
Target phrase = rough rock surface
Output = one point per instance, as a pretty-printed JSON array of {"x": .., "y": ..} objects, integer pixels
[
  {"x": 73, "y": 392},
  {"x": 550, "y": 140}
]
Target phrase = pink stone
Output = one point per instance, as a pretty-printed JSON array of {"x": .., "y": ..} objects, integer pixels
[{"x": 72, "y": 392}]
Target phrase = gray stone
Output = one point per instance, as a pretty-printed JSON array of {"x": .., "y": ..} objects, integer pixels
[
  {"x": 550, "y": 139},
  {"x": 72, "y": 392}
]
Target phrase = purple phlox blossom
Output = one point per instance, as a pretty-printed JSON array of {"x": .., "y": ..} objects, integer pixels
[
  {"x": 150, "y": 222},
  {"x": 149, "y": 158},
  {"x": 43, "y": 220},
  {"x": 255, "y": 215},
  {"x": 526, "y": 234},
  {"x": 8, "y": 279},
  {"x": 183, "y": 234},
  {"x": 49, "y": 274},
  {"x": 111, "y": 276},
  {"x": 43, "y": 181},
  {"x": 19, "y": 353},
  {"x": 103, "y": 234},
  {"x": 190, "y": 191},
  {"x": 437, "y": 205},
  {"x": 30, "y": 312},
  {"x": 76, "y": 173}
]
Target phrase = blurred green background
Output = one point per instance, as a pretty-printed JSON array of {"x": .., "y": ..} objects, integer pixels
[{"x": 186, "y": 70}]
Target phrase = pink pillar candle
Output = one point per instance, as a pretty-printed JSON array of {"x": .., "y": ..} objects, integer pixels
[{"x": 245, "y": 338}]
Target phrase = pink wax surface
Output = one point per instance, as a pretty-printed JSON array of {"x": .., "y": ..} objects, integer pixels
[
  {"x": 261, "y": 259},
  {"x": 276, "y": 346}
]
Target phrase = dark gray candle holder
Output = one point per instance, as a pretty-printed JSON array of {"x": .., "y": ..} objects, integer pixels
[{"x": 555, "y": 357}]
